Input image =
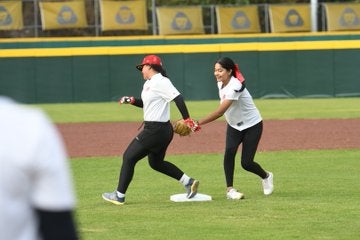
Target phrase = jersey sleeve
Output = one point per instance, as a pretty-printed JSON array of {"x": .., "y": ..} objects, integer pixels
[
  {"x": 233, "y": 91},
  {"x": 166, "y": 89}
]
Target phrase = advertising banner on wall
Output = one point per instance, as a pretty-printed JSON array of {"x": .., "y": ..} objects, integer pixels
[
  {"x": 290, "y": 18},
  {"x": 342, "y": 16},
  {"x": 237, "y": 19},
  {"x": 62, "y": 15},
  {"x": 123, "y": 15},
  {"x": 180, "y": 20},
  {"x": 11, "y": 17}
]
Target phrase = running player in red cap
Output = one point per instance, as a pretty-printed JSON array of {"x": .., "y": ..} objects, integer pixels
[{"x": 154, "y": 139}]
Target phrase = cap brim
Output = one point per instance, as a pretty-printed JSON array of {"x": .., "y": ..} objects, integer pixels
[{"x": 140, "y": 67}]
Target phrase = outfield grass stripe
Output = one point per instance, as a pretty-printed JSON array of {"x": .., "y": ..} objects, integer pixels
[
  {"x": 316, "y": 197},
  {"x": 275, "y": 109}
]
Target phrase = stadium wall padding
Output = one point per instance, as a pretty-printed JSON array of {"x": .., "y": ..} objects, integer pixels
[{"x": 104, "y": 73}]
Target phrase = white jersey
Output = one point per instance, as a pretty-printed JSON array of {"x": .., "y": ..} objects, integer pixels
[
  {"x": 33, "y": 170},
  {"x": 242, "y": 113},
  {"x": 156, "y": 95}
]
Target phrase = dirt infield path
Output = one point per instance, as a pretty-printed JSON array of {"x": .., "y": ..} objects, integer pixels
[{"x": 111, "y": 139}]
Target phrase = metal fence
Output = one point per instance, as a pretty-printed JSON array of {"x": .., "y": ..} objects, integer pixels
[{"x": 33, "y": 28}]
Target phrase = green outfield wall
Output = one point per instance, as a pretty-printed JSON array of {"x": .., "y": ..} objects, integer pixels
[{"x": 58, "y": 70}]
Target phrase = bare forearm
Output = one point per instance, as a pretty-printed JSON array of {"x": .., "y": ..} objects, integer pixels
[
  {"x": 209, "y": 118},
  {"x": 217, "y": 113}
]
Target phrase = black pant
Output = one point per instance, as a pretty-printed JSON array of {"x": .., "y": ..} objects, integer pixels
[
  {"x": 153, "y": 142},
  {"x": 249, "y": 138}
]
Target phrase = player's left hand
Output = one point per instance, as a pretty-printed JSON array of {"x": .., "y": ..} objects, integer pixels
[{"x": 182, "y": 127}]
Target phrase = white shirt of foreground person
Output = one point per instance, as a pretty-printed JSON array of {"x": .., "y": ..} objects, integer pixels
[{"x": 34, "y": 172}]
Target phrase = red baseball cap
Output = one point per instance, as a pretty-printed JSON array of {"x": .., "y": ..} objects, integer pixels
[{"x": 149, "y": 60}]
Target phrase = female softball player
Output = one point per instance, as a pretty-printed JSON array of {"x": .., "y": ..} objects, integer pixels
[
  {"x": 154, "y": 139},
  {"x": 244, "y": 125}
]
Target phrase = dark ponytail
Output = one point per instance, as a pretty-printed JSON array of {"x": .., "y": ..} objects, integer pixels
[{"x": 159, "y": 69}]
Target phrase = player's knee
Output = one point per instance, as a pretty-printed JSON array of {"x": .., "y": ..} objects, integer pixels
[
  {"x": 247, "y": 165},
  {"x": 154, "y": 165},
  {"x": 230, "y": 151},
  {"x": 128, "y": 159}
]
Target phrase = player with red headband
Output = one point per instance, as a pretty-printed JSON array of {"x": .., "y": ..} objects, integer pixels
[{"x": 244, "y": 125}]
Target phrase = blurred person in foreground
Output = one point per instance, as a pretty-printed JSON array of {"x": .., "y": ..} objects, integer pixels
[{"x": 36, "y": 193}]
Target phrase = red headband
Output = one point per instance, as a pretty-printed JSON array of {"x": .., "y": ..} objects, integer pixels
[{"x": 238, "y": 74}]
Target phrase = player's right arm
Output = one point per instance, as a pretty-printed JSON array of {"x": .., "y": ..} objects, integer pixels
[{"x": 131, "y": 100}]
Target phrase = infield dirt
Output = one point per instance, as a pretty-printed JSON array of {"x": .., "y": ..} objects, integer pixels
[{"x": 111, "y": 139}]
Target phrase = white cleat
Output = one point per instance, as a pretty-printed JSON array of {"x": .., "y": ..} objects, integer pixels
[
  {"x": 268, "y": 184},
  {"x": 234, "y": 194}
]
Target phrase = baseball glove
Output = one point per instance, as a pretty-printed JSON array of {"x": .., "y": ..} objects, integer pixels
[{"x": 182, "y": 127}]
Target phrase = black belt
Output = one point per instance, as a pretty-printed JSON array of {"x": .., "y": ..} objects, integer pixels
[
  {"x": 155, "y": 123},
  {"x": 149, "y": 123}
]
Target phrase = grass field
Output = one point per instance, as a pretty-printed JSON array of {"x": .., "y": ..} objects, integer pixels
[
  {"x": 270, "y": 109},
  {"x": 316, "y": 197},
  {"x": 316, "y": 192}
]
